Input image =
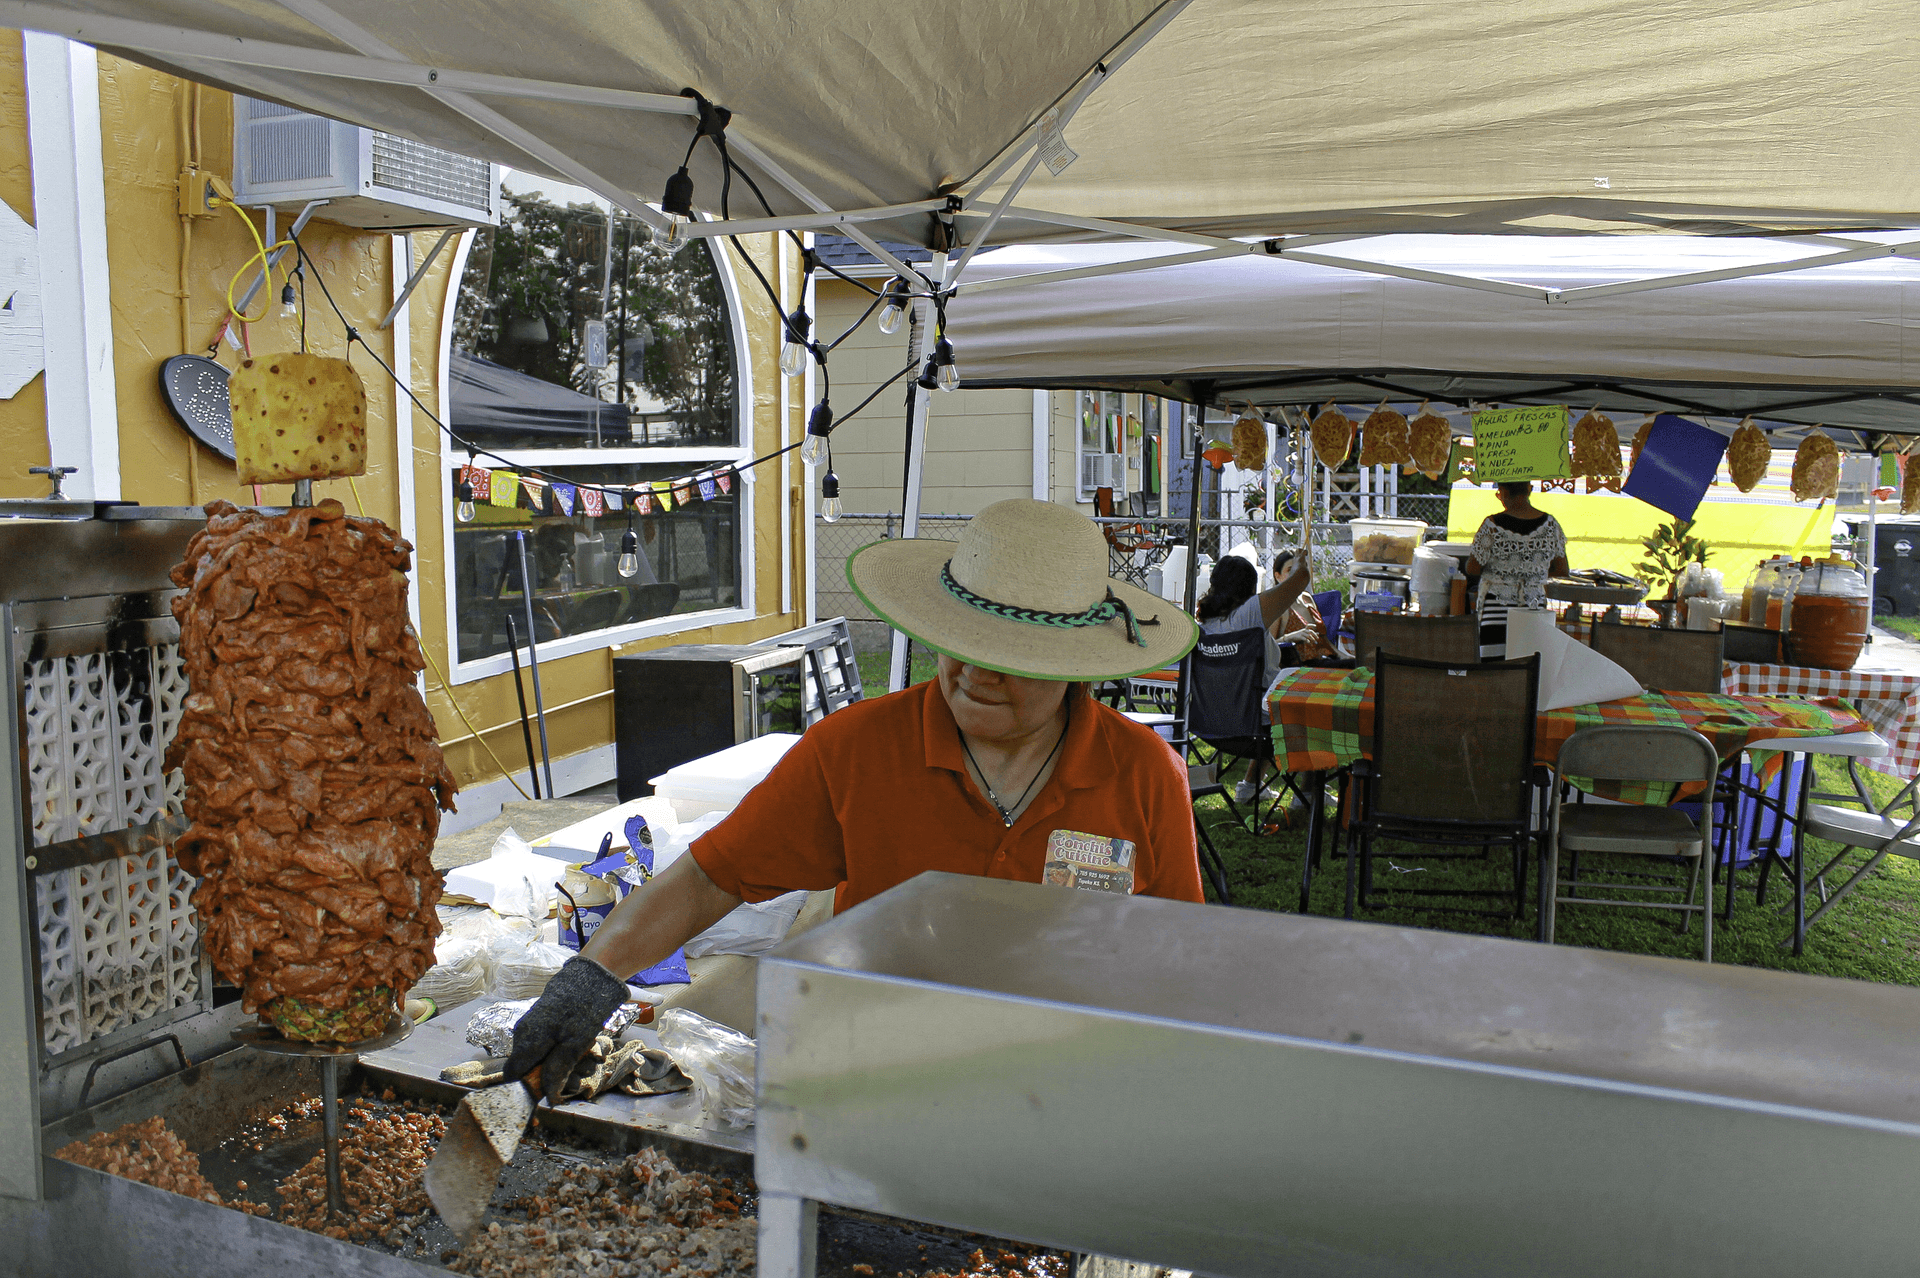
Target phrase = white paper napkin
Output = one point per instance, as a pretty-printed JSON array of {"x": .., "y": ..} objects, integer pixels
[{"x": 1571, "y": 674}]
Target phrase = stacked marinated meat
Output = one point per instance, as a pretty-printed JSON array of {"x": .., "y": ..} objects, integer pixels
[{"x": 314, "y": 783}]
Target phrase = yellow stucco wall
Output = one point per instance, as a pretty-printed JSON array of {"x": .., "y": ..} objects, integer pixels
[{"x": 153, "y": 125}]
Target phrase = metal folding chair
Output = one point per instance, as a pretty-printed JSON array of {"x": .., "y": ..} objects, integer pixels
[
  {"x": 1880, "y": 833},
  {"x": 1622, "y": 753}
]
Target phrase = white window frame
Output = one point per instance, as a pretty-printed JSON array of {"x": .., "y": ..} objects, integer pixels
[{"x": 745, "y": 492}]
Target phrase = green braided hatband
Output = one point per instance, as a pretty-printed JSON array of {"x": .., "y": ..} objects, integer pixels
[{"x": 1106, "y": 610}]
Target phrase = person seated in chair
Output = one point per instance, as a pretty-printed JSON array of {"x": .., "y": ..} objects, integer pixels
[{"x": 1234, "y": 601}]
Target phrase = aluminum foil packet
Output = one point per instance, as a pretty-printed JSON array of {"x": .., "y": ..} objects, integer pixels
[{"x": 491, "y": 1029}]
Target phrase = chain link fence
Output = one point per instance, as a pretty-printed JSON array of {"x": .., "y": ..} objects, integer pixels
[
  {"x": 1137, "y": 548},
  {"x": 834, "y": 542}
]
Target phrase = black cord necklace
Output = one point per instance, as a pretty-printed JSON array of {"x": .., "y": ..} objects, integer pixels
[{"x": 1006, "y": 812}]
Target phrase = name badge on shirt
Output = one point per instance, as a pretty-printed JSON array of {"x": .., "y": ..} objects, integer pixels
[{"x": 1090, "y": 861}]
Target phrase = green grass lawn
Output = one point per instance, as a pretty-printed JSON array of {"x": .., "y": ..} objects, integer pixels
[
  {"x": 1906, "y": 627},
  {"x": 1874, "y": 935},
  {"x": 873, "y": 669}
]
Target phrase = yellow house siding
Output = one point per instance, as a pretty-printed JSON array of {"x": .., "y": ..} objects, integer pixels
[
  {"x": 147, "y": 135},
  {"x": 23, "y": 419},
  {"x": 979, "y": 442}
]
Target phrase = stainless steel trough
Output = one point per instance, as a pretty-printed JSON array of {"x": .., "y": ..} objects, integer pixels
[{"x": 1242, "y": 1093}]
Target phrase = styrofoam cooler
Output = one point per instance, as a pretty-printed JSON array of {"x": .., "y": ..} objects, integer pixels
[{"x": 719, "y": 781}]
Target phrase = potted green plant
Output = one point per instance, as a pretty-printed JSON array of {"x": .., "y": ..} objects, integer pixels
[{"x": 1669, "y": 550}]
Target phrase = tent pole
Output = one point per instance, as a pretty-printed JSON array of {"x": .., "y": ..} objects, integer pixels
[
  {"x": 1202, "y": 395},
  {"x": 917, "y": 408}
]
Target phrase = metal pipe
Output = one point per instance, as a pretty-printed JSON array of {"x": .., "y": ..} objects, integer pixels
[
  {"x": 919, "y": 411},
  {"x": 533, "y": 656},
  {"x": 330, "y": 1102},
  {"x": 302, "y": 492},
  {"x": 520, "y": 691},
  {"x": 1202, "y": 392}
]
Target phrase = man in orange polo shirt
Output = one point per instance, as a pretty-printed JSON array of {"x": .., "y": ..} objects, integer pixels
[{"x": 1002, "y": 766}]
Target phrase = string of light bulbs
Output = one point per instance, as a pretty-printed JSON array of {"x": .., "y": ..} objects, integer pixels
[
  {"x": 940, "y": 372},
  {"x": 465, "y": 510}
]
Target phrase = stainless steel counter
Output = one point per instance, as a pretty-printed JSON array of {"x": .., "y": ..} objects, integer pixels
[{"x": 1244, "y": 1093}]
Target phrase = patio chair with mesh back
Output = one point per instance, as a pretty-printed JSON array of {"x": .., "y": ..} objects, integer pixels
[
  {"x": 1455, "y": 639},
  {"x": 1452, "y": 767},
  {"x": 1126, "y": 542},
  {"x": 1619, "y": 752},
  {"x": 1670, "y": 660}
]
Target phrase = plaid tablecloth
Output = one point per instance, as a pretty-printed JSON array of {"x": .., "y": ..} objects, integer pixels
[
  {"x": 1324, "y": 719},
  {"x": 1889, "y": 700}
]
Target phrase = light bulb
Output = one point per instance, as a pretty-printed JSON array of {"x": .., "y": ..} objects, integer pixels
[
  {"x": 464, "y": 511},
  {"x": 677, "y": 204},
  {"x": 629, "y": 554},
  {"x": 289, "y": 304},
  {"x": 793, "y": 355},
  {"x": 819, "y": 426},
  {"x": 793, "y": 358},
  {"x": 946, "y": 372},
  {"x": 893, "y": 312},
  {"x": 830, "y": 497}
]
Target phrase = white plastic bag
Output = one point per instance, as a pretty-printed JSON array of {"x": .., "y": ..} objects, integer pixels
[
  {"x": 521, "y": 969},
  {"x": 670, "y": 845},
  {"x": 719, "y": 1060},
  {"x": 459, "y": 974},
  {"x": 749, "y": 929},
  {"x": 478, "y": 923},
  {"x": 515, "y": 880}
]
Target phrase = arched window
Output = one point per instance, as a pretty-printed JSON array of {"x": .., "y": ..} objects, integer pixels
[{"x": 583, "y": 349}]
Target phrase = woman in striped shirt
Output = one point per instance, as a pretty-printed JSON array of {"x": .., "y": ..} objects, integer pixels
[{"x": 1513, "y": 555}]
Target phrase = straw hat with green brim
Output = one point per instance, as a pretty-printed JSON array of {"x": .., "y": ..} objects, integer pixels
[{"x": 1024, "y": 591}]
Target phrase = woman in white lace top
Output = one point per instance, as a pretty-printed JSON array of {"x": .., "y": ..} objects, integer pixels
[{"x": 1513, "y": 555}]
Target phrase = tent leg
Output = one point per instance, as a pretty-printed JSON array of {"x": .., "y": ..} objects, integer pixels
[
  {"x": 1202, "y": 396},
  {"x": 917, "y": 412}
]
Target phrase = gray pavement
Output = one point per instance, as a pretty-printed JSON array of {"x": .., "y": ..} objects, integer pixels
[{"x": 1891, "y": 651}]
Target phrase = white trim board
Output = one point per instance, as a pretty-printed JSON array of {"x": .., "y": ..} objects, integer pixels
[
  {"x": 572, "y": 773},
  {"x": 70, "y": 214}
]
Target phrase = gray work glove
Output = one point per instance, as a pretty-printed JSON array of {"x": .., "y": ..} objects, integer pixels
[{"x": 561, "y": 1025}]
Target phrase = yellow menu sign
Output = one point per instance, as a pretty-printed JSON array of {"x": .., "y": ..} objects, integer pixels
[{"x": 1512, "y": 444}]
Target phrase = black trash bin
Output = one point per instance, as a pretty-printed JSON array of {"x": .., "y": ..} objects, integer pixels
[{"x": 1896, "y": 560}]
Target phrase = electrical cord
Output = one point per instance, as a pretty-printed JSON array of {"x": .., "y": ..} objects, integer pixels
[
  {"x": 261, "y": 255},
  {"x": 475, "y": 450}
]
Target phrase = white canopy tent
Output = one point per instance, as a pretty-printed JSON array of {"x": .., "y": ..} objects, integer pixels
[
  {"x": 1193, "y": 119},
  {"x": 1838, "y": 346},
  {"x": 1232, "y": 127}
]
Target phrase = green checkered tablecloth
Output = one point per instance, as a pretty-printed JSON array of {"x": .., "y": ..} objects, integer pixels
[{"x": 1324, "y": 720}]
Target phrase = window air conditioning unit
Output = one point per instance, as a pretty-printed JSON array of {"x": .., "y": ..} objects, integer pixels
[
  {"x": 1103, "y": 470},
  {"x": 288, "y": 158}
]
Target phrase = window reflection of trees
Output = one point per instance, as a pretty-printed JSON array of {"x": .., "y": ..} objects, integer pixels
[{"x": 533, "y": 281}]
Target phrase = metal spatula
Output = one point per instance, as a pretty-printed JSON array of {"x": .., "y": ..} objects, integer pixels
[{"x": 481, "y": 1138}]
